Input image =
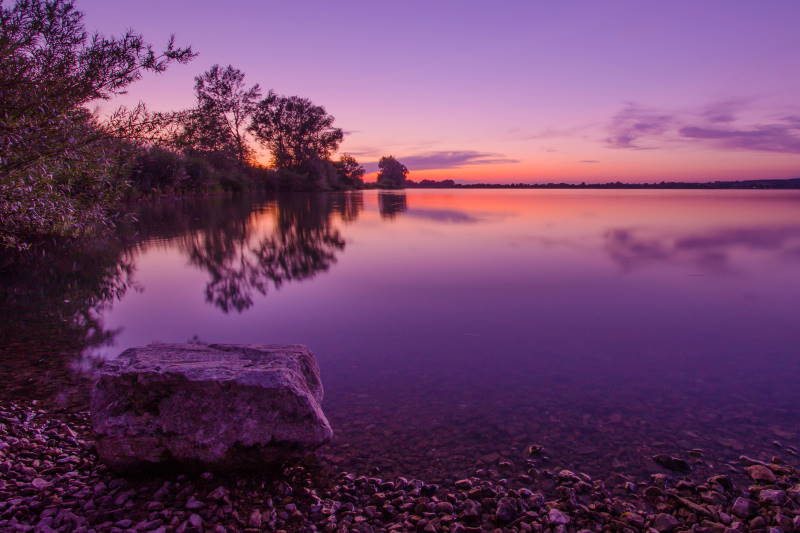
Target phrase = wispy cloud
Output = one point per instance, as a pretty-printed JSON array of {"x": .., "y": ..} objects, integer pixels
[
  {"x": 633, "y": 124},
  {"x": 362, "y": 151},
  {"x": 724, "y": 111},
  {"x": 454, "y": 159},
  {"x": 447, "y": 159},
  {"x": 588, "y": 161},
  {"x": 779, "y": 137},
  {"x": 553, "y": 133},
  {"x": 718, "y": 125}
]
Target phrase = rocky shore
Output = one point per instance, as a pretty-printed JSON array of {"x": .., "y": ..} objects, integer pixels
[{"x": 51, "y": 480}]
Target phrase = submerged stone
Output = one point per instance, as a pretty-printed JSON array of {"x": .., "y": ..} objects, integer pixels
[
  {"x": 760, "y": 473},
  {"x": 672, "y": 463},
  {"x": 218, "y": 406}
]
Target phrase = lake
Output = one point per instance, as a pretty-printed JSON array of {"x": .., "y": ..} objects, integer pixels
[{"x": 454, "y": 328}]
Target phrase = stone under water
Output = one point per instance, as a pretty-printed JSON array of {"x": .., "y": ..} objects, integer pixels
[{"x": 208, "y": 406}]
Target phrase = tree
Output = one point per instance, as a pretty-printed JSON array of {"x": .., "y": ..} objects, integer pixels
[
  {"x": 158, "y": 169},
  {"x": 50, "y": 68},
  {"x": 57, "y": 160},
  {"x": 392, "y": 173},
  {"x": 220, "y": 121},
  {"x": 295, "y": 131},
  {"x": 350, "y": 172}
]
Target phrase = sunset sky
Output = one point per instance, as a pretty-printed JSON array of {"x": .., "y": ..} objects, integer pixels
[{"x": 510, "y": 91}]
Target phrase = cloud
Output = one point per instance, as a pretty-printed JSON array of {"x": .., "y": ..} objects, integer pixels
[
  {"x": 363, "y": 151},
  {"x": 551, "y": 133},
  {"x": 780, "y": 137},
  {"x": 792, "y": 120},
  {"x": 724, "y": 111},
  {"x": 633, "y": 123},
  {"x": 454, "y": 159},
  {"x": 717, "y": 125},
  {"x": 588, "y": 161},
  {"x": 447, "y": 159}
]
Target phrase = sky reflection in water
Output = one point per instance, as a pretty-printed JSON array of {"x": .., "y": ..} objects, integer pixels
[{"x": 605, "y": 324}]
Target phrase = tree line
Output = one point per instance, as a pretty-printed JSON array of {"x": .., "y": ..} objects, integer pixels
[{"x": 68, "y": 171}]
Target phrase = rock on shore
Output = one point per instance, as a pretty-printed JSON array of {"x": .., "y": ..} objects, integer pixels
[
  {"x": 50, "y": 480},
  {"x": 209, "y": 406}
]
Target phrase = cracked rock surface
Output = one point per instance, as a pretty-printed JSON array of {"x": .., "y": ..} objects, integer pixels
[{"x": 210, "y": 406}]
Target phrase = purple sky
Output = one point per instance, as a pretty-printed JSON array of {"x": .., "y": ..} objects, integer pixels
[{"x": 511, "y": 91}]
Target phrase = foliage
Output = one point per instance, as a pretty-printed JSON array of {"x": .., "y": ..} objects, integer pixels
[
  {"x": 350, "y": 171},
  {"x": 220, "y": 120},
  {"x": 200, "y": 174},
  {"x": 391, "y": 173},
  {"x": 295, "y": 131},
  {"x": 65, "y": 171},
  {"x": 158, "y": 169},
  {"x": 59, "y": 164},
  {"x": 227, "y": 111}
]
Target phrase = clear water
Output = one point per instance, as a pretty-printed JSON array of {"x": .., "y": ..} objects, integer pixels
[{"x": 451, "y": 325}]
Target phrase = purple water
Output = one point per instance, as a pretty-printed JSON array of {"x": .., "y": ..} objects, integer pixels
[{"x": 454, "y": 325}]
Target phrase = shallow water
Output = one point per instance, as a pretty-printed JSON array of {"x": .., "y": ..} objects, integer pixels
[{"x": 454, "y": 325}]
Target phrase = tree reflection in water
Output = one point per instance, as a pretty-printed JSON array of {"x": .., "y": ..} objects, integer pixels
[
  {"x": 52, "y": 301},
  {"x": 392, "y": 204},
  {"x": 243, "y": 260}
]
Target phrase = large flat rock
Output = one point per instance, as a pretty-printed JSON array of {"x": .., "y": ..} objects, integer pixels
[{"x": 208, "y": 406}]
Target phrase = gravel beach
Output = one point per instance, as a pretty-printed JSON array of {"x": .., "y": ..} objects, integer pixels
[{"x": 51, "y": 480}]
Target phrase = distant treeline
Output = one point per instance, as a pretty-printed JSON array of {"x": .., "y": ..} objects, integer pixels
[
  {"x": 68, "y": 171},
  {"x": 792, "y": 183}
]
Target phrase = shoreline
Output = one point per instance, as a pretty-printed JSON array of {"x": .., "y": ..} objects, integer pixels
[
  {"x": 52, "y": 481},
  {"x": 762, "y": 184}
]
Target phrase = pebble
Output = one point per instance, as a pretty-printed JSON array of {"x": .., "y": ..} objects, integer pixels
[
  {"x": 255, "y": 519},
  {"x": 507, "y": 509},
  {"x": 41, "y": 491},
  {"x": 665, "y": 522},
  {"x": 760, "y": 473},
  {"x": 672, "y": 463},
  {"x": 774, "y": 497},
  {"x": 444, "y": 507},
  {"x": 555, "y": 516},
  {"x": 40, "y": 483},
  {"x": 743, "y": 507},
  {"x": 194, "y": 504}
]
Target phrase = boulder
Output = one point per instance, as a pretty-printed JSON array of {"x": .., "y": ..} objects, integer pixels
[{"x": 212, "y": 406}]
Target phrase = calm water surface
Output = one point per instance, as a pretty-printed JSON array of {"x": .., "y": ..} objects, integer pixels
[{"x": 451, "y": 326}]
